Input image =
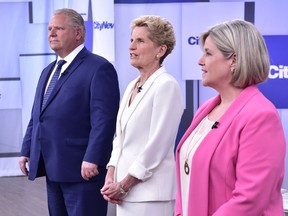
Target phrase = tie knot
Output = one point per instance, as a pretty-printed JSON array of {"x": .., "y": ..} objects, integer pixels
[{"x": 61, "y": 62}]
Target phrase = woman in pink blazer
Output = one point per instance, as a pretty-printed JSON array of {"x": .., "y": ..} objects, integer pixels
[{"x": 230, "y": 161}]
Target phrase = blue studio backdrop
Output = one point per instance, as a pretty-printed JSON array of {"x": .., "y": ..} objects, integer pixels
[{"x": 25, "y": 52}]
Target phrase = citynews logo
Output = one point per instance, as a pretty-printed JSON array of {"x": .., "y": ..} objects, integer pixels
[
  {"x": 278, "y": 72},
  {"x": 103, "y": 25},
  {"x": 193, "y": 40}
]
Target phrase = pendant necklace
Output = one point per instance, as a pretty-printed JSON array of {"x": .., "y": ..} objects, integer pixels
[
  {"x": 204, "y": 127},
  {"x": 188, "y": 151},
  {"x": 139, "y": 87}
]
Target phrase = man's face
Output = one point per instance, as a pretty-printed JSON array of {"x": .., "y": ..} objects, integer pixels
[{"x": 62, "y": 36}]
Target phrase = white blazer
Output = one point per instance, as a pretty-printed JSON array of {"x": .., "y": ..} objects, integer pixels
[{"x": 145, "y": 138}]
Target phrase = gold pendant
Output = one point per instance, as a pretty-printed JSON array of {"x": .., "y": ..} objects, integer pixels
[{"x": 186, "y": 167}]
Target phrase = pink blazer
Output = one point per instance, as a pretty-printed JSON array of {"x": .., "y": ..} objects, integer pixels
[{"x": 239, "y": 167}]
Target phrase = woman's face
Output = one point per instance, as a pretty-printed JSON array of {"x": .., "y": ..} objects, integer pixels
[
  {"x": 143, "y": 50},
  {"x": 216, "y": 69}
]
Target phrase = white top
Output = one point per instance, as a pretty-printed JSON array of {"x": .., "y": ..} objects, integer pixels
[{"x": 187, "y": 151}]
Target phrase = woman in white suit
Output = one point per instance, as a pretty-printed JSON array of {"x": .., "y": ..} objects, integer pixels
[{"x": 141, "y": 176}]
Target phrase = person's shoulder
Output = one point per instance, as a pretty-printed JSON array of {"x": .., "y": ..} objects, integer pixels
[
  {"x": 166, "y": 80},
  {"x": 166, "y": 77},
  {"x": 97, "y": 63},
  {"x": 97, "y": 57},
  {"x": 254, "y": 105},
  {"x": 260, "y": 102}
]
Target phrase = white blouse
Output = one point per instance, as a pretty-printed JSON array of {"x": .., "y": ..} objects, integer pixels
[{"x": 187, "y": 151}]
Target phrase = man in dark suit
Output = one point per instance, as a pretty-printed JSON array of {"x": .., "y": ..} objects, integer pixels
[{"x": 69, "y": 136}]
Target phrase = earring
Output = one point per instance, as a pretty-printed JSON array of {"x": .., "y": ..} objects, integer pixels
[{"x": 157, "y": 56}]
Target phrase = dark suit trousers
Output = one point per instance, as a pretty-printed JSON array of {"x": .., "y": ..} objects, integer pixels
[{"x": 75, "y": 199}]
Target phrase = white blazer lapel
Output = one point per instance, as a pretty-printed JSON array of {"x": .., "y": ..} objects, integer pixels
[
  {"x": 145, "y": 88},
  {"x": 122, "y": 119}
]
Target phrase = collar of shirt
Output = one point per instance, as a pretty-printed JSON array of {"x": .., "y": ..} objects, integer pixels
[{"x": 69, "y": 58}]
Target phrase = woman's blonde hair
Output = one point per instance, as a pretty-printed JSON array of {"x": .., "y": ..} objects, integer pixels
[
  {"x": 241, "y": 39},
  {"x": 161, "y": 31}
]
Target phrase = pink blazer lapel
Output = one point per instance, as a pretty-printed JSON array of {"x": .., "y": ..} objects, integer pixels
[{"x": 198, "y": 192}]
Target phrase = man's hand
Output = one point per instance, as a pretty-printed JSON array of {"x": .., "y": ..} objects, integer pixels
[
  {"x": 89, "y": 170},
  {"x": 23, "y": 163}
]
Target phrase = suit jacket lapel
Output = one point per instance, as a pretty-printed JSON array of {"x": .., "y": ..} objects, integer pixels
[
  {"x": 42, "y": 84},
  {"x": 64, "y": 76},
  {"x": 137, "y": 99}
]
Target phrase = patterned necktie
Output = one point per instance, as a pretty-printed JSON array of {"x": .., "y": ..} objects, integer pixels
[{"x": 53, "y": 81}]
